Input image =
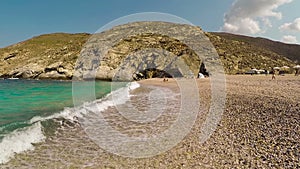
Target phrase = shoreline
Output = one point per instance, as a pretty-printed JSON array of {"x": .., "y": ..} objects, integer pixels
[
  {"x": 258, "y": 129},
  {"x": 110, "y": 80}
]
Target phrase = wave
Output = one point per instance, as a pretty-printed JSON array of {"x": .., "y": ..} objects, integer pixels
[
  {"x": 3, "y": 129},
  {"x": 116, "y": 97},
  {"x": 21, "y": 140}
]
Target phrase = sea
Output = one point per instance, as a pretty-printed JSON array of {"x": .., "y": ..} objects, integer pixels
[{"x": 25, "y": 105}]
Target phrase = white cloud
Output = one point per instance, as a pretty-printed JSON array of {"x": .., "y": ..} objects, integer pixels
[
  {"x": 289, "y": 39},
  {"x": 293, "y": 26},
  {"x": 248, "y": 16}
]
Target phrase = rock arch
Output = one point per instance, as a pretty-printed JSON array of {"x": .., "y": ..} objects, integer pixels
[{"x": 134, "y": 47}]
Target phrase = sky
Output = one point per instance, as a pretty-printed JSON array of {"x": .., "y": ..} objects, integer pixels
[{"x": 274, "y": 19}]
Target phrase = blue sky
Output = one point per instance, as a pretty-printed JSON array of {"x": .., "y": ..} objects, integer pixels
[{"x": 21, "y": 20}]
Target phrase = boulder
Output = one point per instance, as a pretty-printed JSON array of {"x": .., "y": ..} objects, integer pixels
[{"x": 52, "y": 75}]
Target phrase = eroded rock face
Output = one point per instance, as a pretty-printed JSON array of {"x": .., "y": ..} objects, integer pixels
[
  {"x": 124, "y": 50},
  {"x": 56, "y": 70},
  {"x": 28, "y": 71}
]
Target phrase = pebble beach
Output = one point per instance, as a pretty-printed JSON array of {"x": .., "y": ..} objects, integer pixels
[{"x": 259, "y": 128}]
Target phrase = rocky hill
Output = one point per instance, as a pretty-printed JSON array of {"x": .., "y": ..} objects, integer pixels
[
  {"x": 241, "y": 53},
  {"x": 50, "y": 56},
  {"x": 290, "y": 51},
  {"x": 53, "y": 56}
]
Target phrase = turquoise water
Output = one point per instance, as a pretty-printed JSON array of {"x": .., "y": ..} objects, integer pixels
[{"x": 21, "y": 100}]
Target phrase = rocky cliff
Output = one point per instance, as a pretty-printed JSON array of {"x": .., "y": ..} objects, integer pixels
[
  {"x": 54, "y": 56},
  {"x": 129, "y": 49}
]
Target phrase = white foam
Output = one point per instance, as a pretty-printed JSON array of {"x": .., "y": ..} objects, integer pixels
[
  {"x": 19, "y": 141},
  {"x": 133, "y": 85},
  {"x": 67, "y": 113},
  {"x": 116, "y": 97},
  {"x": 119, "y": 96}
]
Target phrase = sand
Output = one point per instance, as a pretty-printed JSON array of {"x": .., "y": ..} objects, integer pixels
[{"x": 258, "y": 129}]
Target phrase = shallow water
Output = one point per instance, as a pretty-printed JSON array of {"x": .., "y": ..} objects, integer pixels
[
  {"x": 21, "y": 100},
  {"x": 26, "y": 104}
]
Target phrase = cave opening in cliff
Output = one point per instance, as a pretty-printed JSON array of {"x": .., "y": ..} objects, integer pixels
[
  {"x": 203, "y": 70},
  {"x": 157, "y": 73}
]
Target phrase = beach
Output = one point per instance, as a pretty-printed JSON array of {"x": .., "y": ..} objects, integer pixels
[{"x": 259, "y": 128}]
